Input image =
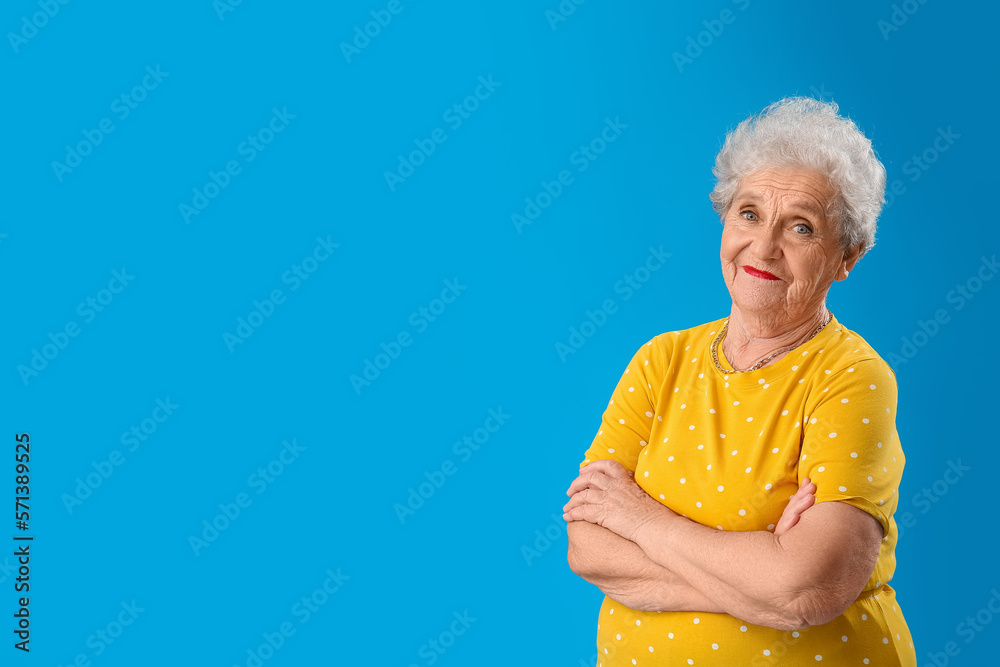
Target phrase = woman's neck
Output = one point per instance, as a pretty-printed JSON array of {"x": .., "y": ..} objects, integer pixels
[{"x": 750, "y": 338}]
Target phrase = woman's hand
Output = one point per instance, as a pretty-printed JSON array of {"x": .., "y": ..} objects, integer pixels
[
  {"x": 606, "y": 493},
  {"x": 799, "y": 503}
]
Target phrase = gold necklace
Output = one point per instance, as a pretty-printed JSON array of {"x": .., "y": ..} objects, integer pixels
[{"x": 725, "y": 327}]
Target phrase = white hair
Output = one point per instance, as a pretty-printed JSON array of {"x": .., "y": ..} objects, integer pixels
[{"x": 802, "y": 132}]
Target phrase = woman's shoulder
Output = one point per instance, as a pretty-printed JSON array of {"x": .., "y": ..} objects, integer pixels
[{"x": 849, "y": 348}]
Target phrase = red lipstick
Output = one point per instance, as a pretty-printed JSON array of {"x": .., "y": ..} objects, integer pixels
[{"x": 760, "y": 274}]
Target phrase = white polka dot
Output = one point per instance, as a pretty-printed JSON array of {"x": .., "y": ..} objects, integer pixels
[
  {"x": 818, "y": 658},
  {"x": 683, "y": 480},
  {"x": 795, "y": 634},
  {"x": 865, "y": 420},
  {"x": 612, "y": 610},
  {"x": 631, "y": 388},
  {"x": 662, "y": 497},
  {"x": 670, "y": 458},
  {"x": 650, "y": 649},
  {"x": 871, "y": 386},
  {"x": 645, "y": 474},
  {"x": 698, "y": 504},
  {"x": 621, "y": 421},
  {"x": 743, "y": 628},
  {"x": 691, "y": 427},
  {"x": 869, "y": 478},
  {"x": 683, "y": 405},
  {"x": 866, "y": 661},
  {"x": 722, "y": 435},
  {"x": 709, "y": 467},
  {"x": 735, "y": 452},
  {"x": 842, "y": 489},
  {"x": 736, "y": 402},
  {"x": 854, "y": 455},
  {"x": 827, "y": 371},
  {"x": 690, "y": 661},
  {"x": 784, "y": 412},
  {"x": 638, "y": 622},
  {"x": 821, "y": 468},
  {"x": 833, "y": 435},
  {"x": 761, "y": 381},
  {"x": 697, "y": 620},
  {"x": 885, "y": 640},
  {"x": 812, "y": 421},
  {"x": 648, "y": 413},
  {"x": 721, "y": 487},
  {"x": 715, "y": 646},
  {"x": 770, "y": 526},
  {"x": 844, "y": 638},
  {"x": 712, "y": 410},
  {"x": 880, "y": 445},
  {"x": 767, "y": 487},
  {"x": 618, "y": 636},
  {"x": 844, "y": 400},
  {"x": 670, "y": 635},
  {"x": 743, "y": 512},
  {"x": 701, "y": 446},
  {"x": 749, "y": 419},
  {"x": 774, "y": 451},
  {"x": 611, "y": 450},
  {"x": 634, "y": 662},
  {"x": 766, "y": 651},
  {"x": 864, "y": 617}
]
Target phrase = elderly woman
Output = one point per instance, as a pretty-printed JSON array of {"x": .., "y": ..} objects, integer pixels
[{"x": 736, "y": 505}]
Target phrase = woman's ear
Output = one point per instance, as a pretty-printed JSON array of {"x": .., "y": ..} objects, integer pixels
[{"x": 851, "y": 257}]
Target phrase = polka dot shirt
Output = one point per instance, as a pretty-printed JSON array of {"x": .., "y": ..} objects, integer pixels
[{"x": 727, "y": 451}]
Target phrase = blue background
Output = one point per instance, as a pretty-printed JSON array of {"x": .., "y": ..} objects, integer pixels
[{"x": 493, "y": 347}]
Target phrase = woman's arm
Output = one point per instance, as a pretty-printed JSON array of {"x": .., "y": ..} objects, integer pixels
[
  {"x": 806, "y": 576},
  {"x": 623, "y": 571}
]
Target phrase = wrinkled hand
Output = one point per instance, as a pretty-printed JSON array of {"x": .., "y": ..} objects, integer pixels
[
  {"x": 799, "y": 503},
  {"x": 606, "y": 493}
]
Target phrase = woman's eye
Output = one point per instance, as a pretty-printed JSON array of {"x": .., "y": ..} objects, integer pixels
[
  {"x": 748, "y": 215},
  {"x": 800, "y": 225}
]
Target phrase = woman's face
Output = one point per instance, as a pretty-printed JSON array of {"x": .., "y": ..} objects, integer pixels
[{"x": 778, "y": 224}]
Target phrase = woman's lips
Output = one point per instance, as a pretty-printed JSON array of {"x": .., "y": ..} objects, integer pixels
[{"x": 760, "y": 274}]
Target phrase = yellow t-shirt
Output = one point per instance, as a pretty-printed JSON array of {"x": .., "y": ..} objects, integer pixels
[{"x": 727, "y": 451}]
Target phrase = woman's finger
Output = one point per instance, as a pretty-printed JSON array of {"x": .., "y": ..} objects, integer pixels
[{"x": 589, "y": 479}]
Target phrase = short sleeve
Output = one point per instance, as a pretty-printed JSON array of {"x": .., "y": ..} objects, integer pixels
[
  {"x": 850, "y": 446},
  {"x": 628, "y": 419}
]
